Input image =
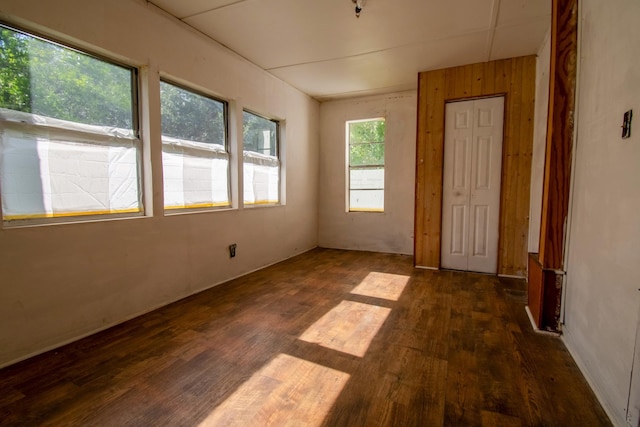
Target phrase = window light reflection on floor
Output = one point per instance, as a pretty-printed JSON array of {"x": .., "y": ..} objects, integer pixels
[
  {"x": 288, "y": 391},
  {"x": 382, "y": 285},
  {"x": 349, "y": 327}
]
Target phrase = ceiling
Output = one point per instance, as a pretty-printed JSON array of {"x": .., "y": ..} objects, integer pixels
[{"x": 323, "y": 49}]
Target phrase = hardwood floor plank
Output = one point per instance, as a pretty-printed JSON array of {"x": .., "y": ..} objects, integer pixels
[
  {"x": 492, "y": 419},
  {"x": 389, "y": 345}
]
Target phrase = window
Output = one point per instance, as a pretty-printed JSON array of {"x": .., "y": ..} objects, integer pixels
[
  {"x": 69, "y": 142},
  {"x": 195, "y": 159},
  {"x": 261, "y": 160},
  {"x": 366, "y": 165}
]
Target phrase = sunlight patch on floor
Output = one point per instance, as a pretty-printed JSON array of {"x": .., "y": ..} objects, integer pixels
[
  {"x": 382, "y": 285},
  {"x": 349, "y": 327},
  {"x": 288, "y": 391}
]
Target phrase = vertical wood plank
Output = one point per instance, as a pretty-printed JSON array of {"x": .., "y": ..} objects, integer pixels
[
  {"x": 419, "y": 212},
  {"x": 450, "y": 83},
  {"x": 500, "y": 77},
  {"x": 501, "y": 84},
  {"x": 430, "y": 141},
  {"x": 524, "y": 167},
  {"x": 476, "y": 79},
  {"x": 463, "y": 82},
  {"x": 510, "y": 172},
  {"x": 434, "y": 175},
  {"x": 488, "y": 81}
]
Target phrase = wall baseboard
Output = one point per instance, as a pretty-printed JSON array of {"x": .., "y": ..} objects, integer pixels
[{"x": 535, "y": 327}]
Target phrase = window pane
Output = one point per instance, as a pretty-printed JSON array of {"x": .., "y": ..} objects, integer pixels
[
  {"x": 366, "y": 154},
  {"x": 260, "y": 135},
  {"x": 47, "y": 79},
  {"x": 65, "y": 171},
  {"x": 261, "y": 183},
  {"x": 366, "y": 131},
  {"x": 366, "y": 165},
  {"x": 194, "y": 182},
  {"x": 367, "y": 179},
  {"x": 261, "y": 177},
  {"x": 195, "y": 160},
  {"x": 68, "y": 132},
  {"x": 366, "y": 200},
  {"x": 192, "y": 117}
]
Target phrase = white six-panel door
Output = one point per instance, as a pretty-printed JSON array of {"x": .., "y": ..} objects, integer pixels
[{"x": 471, "y": 184}]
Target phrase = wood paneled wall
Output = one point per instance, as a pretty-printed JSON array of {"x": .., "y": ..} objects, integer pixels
[{"x": 515, "y": 79}]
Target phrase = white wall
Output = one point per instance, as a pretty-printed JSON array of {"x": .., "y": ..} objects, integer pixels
[
  {"x": 61, "y": 282},
  {"x": 543, "y": 62},
  {"x": 602, "y": 297},
  {"x": 391, "y": 231}
]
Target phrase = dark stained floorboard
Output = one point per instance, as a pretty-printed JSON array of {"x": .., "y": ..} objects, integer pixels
[{"x": 453, "y": 349}]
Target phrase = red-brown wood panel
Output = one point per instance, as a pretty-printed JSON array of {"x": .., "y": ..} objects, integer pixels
[{"x": 555, "y": 198}]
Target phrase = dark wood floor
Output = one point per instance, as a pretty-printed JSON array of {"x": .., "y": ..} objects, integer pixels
[{"x": 332, "y": 338}]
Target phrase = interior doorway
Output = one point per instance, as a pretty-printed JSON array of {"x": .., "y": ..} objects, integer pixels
[{"x": 471, "y": 184}]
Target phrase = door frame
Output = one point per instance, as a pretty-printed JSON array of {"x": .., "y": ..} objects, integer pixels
[{"x": 502, "y": 157}]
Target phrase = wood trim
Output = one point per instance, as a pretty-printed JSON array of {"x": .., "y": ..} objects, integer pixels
[
  {"x": 535, "y": 288},
  {"x": 515, "y": 79},
  {"x": 557, "y": 172}
]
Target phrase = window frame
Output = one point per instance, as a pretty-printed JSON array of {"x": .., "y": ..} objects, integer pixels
[
  {"x": 278, "y": 158},
  {"x": 227, "y": 148},
  {"x": 349, "y": 167},
  {"x": 136, "y": 129}
]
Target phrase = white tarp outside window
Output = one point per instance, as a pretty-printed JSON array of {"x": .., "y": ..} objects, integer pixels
[
  {"x": 261, "y": 179},
  {"x": 196, "y": 175},
  {"x": 261, "y": 156},
  {"x": 367, "y": 189},
  {"x": 55, "y": 168}
]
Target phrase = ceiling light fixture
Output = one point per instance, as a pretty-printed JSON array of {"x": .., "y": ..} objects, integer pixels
[{"x": 359, "y": 5}]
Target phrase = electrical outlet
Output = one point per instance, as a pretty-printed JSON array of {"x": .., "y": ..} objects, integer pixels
[{"x": 232, "y": 250}]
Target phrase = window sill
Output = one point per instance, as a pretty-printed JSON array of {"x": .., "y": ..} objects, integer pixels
[
  {"x": 197, "y": 210},
  {"x": 68, "y": 220},
  {"x": 366, "y": 211},
  {"x": 262, "y": 205}
]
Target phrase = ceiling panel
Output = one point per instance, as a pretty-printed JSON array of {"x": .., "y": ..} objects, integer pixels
[
  {"x": 390, "y": 70},
  {"x": 321, "y": 47},
  {"x": 279, "y": 33},
  {"x": 519, "y": 40},
  {"x": 185, "y": 8},
  {"x": 521, "y": 11}
]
